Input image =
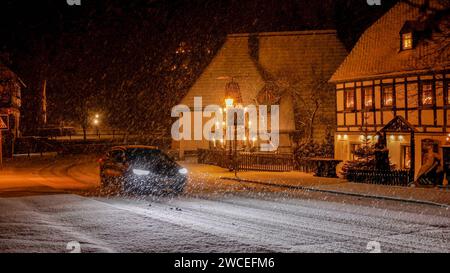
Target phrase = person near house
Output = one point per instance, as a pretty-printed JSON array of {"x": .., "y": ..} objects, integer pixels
[{"x": 431, "y": 173}]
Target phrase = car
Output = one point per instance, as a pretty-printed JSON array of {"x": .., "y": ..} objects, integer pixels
[{"x": 142, "y": 170}]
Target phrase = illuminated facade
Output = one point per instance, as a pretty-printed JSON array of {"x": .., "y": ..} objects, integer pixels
[
  {"x": 397, "y": 69},
  {"x": 263, "y": 68}
]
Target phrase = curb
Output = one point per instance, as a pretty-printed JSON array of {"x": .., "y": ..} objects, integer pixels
[{"x": 379, "y": 197}]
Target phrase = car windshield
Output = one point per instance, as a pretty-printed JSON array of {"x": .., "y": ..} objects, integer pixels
[{"x": 140, "y": 154}]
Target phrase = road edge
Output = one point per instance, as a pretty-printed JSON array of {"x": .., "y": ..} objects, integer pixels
[{"x": 369, "y": 196}]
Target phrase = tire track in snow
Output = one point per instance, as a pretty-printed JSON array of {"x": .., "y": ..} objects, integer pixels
[
  {"x": 371, "y": 224},
  {"x": 280, "y": 233},
  {"x": 45, "y": 222}
]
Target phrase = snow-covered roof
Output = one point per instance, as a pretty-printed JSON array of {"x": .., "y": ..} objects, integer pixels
[
  {"x": 378, "y": 53},
  {"x": 279, "y": 53}
]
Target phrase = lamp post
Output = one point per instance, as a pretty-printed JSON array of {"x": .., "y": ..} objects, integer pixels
[
  {"x": 229, "y": 103},
  {"x": 96, "y": 122}
]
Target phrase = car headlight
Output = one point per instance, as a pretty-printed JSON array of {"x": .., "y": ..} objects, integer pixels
[
  {"x": 140, "y": 172},
  {"x": 183, "y": 171}
]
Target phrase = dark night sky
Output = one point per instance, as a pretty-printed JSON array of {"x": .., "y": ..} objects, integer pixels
[{"x": 110, "y": 53}]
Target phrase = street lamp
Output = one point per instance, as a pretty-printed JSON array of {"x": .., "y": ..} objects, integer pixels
[
  {"x": 96, "y": 122},
  {"x": 229, "y": 103}
]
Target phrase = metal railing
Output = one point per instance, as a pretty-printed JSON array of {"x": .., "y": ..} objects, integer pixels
[
  {"x": 266, "y": 162},
  {"x": 248, "y": 161},
  {"x": 382, "y": 177}
]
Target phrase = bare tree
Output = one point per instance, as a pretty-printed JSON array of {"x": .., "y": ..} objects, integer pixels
[
  {"x": 435, "y": 17},
  {"x": 310, "y": 94}
]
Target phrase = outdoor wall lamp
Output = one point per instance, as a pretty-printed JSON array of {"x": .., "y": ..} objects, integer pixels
[{"x": 229, "y": 102}]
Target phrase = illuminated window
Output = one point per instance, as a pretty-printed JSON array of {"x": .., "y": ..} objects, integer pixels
[
  {"x": 368, "y": 97},
  {"x": 406, "y": 157},
  {"x": 407, "y": 41},
  {"x": 353, "y": 150},
  {"x": 350, "y": 99},
  {"x": 388, "y": 96},
  {"x": 448, "y": 92},
  {"x": 427, "y": 93}
]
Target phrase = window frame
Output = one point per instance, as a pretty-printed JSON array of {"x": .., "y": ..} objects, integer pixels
[
  {"x": 353, "y": 147},
  {"x": 433, "y": 94},
  {"x": 383, "y": 104},
  {"x": 402, "y": 40},
  {"x": 372, "y": 89},
  {"x": 346, "y": 91},
  {"x": 404, "y": 149},
  {"x": 446, "y": 92}
]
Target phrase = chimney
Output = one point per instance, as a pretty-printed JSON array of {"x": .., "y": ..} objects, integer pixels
[{"x": 253, "y": 46}]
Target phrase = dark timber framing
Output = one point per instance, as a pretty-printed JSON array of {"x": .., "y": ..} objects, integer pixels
[{"x": 378, "y": 111}]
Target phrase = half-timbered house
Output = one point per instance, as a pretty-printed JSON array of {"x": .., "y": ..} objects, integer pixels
[{"x": 396, "y": 81}]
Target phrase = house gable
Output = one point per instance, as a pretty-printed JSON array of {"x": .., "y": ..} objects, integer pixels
[
  {"x": 231, "y": 62},
  {"x": 276, "y": 68},
  {"x": 378, "y": 51}
]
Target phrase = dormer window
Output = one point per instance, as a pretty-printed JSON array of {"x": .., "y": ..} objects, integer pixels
[
  {"x": 409, "y": 34},
  {"x": 407, "y": 41}
]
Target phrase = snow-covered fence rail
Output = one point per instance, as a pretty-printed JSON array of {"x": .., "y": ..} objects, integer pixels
[
  {"x": 248, "y": 161},
  {"x": 384, "y": 177},
  {"x": 266, "y": 162},
  {"x": 28, "y": 145}
]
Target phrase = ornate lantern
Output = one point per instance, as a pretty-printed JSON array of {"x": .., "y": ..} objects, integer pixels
[{"x": 233, "y": 91}]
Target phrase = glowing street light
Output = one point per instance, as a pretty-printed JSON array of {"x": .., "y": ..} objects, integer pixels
[
  {"x": 253, "y": 141},
  {"x": 96, "y": 120},
  {"x": 96, "y": 123},
  {"x": 229, "y": 102}
]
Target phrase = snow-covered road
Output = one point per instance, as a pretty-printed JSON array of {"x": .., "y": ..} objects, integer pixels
[
  {"x": 202, "y": 220},
  {"x": 47, "y": 223}
]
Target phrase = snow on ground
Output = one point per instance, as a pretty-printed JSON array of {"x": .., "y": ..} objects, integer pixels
[
  {"x": 43, "y": 224},
  {"x": 232, "y": 224},
  {"x": 38, "y": 214}
]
